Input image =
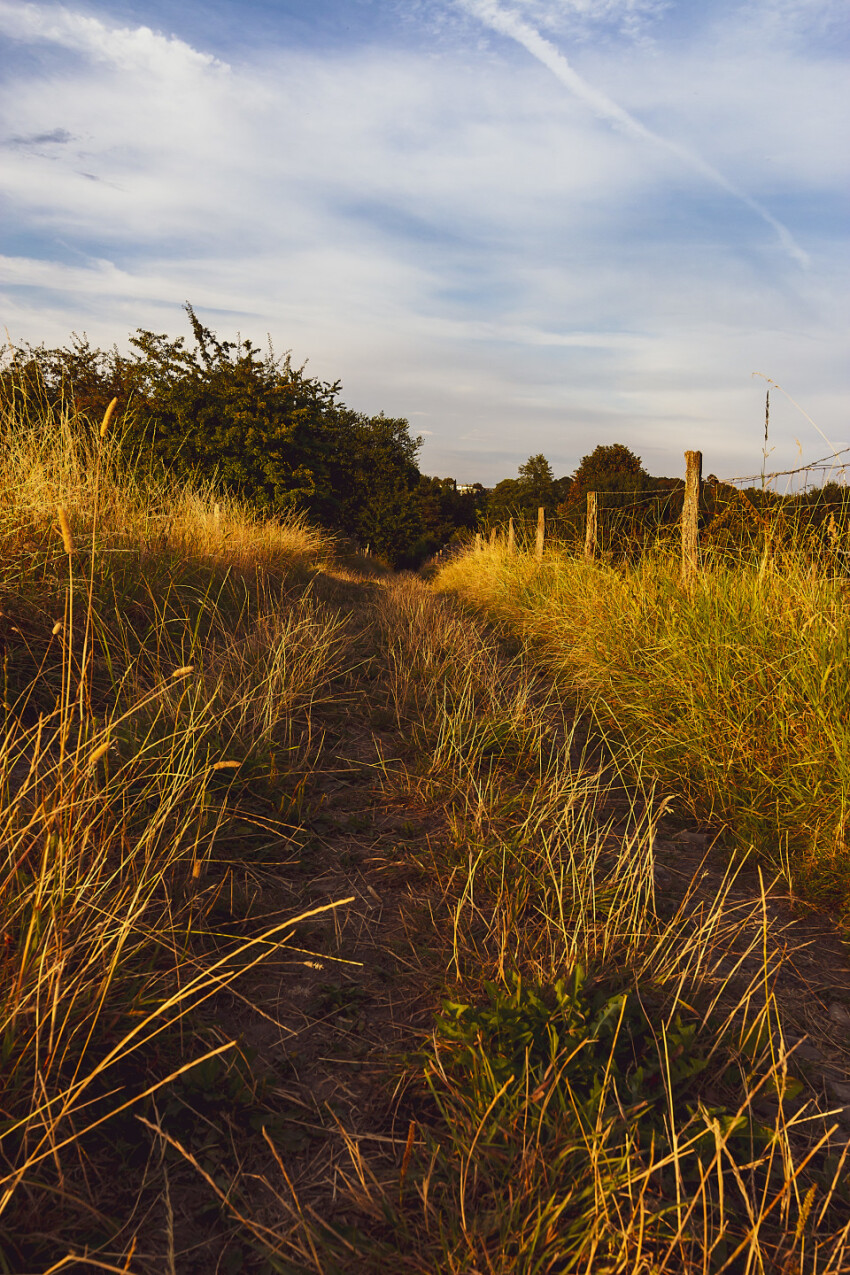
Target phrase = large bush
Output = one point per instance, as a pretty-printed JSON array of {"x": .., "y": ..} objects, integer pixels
[{"x": 250, "y": 420}]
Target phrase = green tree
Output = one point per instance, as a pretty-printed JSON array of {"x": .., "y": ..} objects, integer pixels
[
  {"x": 505, "y": 501},
  {"x": 627, "y": 517},
  {"x": 613, "y": 469},
  {"x": 521, "y": 497},
  {"x": 446, "y": 514},
  {"x": 537, "y": 482}
]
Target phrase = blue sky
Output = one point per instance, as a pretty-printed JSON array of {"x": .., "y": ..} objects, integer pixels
[{"x": 527, "y": 226}]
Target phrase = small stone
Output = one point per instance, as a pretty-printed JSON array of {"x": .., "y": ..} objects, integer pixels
[
  {"x": 695, "y": 840},
  {"x": 809, "y": 1052},
  {"x": 839, "y": 1014}
]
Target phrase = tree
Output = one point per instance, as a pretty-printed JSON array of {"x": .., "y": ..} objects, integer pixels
[
  {"x": 446, "y": 514},
  {"x": 628, "y": 515},
  {"x": 523, "y": 496},
  {"x": 505, "y": 501},
  {"x": 537, "y": 482},
  {"x": 613, "y": 469}
]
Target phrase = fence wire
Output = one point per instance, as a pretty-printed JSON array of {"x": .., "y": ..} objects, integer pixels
[{"x": 733, "y": 520}]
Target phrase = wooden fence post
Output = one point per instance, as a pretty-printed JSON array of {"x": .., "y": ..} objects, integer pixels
[
  {"x": 690, "y": 517},
  {"x": 591, "y": 534},
  {"x": 478, "y": 545},
  {"x": 511, "y": 536},
  {"x": 492, "y": 537},
  {"x": 541, "y": 532}
]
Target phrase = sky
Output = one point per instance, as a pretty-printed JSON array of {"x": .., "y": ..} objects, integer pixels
[{"x": 526, "y": 226}]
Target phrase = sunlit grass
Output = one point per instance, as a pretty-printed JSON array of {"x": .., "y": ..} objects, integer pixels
[
  {"x": 162, "y": 658},
  {"x": 611, "y": 1085},
  {"x": 733, "y": 696}
]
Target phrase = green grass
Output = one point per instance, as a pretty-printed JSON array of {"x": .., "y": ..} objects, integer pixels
[{"x": 734, "y": 697}]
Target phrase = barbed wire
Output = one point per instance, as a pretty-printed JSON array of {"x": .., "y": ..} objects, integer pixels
[{"x": 824, "y": 463}]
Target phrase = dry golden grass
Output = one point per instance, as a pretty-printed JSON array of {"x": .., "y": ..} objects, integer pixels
[
  {"x": 732, "y": 694},
  {"x": 611, "y": 1085},
  {"x": 162, "y": 658}
]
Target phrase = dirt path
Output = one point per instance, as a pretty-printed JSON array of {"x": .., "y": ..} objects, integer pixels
[
  {"x": 320, "y": 1127},
  {"x": 323, "y": 1027}
]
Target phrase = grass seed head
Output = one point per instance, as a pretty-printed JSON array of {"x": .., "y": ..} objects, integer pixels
[
  {"x": 107, "y": 417},
  {"x": 65, "y": 528}
]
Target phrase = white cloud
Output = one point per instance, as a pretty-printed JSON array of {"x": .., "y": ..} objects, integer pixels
[
  {"x": 453, "y": 236},
  {"x": 130, "y": 49},
  {"x": 627, "y": 16},
  {"x": 777, "y": 22}
]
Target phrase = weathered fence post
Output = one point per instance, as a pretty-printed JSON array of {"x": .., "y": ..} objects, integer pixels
[
  {"x": 541, "y": 532},
  {"x": 478, "y": 545},
  {"x": 217, "y": 514},
  {"x": 591, "y": 534},
  {"x": 511, "y": 536},
  {"x": 492, "y": 537},
  {"x": 690, "y": 517}
]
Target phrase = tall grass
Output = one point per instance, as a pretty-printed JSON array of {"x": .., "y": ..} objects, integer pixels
[
  {"x": 733, "y": 695},
  {"x": 162, "y": 659},
  {"x": 610, "y": 1086}
]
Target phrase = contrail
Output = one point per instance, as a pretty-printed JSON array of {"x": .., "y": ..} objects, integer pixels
[{"x": 512, "y": 25}]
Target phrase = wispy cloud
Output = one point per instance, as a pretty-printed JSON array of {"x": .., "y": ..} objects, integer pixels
[
  {"x": 509, "y": 23},
  {"x": 129, "y": 48},
  {"x": 780, "y": 21},
  {"x": 629, "y": 17},
  {"x": 56, "y": 137}
]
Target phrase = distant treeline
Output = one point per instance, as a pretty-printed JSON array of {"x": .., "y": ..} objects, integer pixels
[
  {"x": 636, "y": 508},
  {"x": 257, "y": 425}
]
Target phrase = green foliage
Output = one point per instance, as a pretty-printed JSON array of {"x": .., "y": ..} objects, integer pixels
[
  {"x": 596, "y": 1047},
  {"x": 250, "y": 421},
  {"x": 504, "y": 501},
  {"x": 608, "y": 468},
  {"x": 446, "y": 514},
  {"x": 536, "y": 481},
  {"x": 619, "y": 477},
  {"x": 523, "y": 496},
  {"x": 566, "y": 1097}
]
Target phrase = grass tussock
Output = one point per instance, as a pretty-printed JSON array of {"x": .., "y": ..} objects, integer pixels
[
  {"x": 733, "y": 695},
  {"x": 162, "y": 660},
  {"x": 56, "y": 465}
]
